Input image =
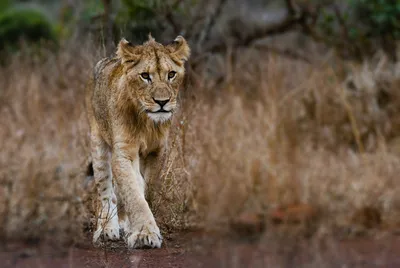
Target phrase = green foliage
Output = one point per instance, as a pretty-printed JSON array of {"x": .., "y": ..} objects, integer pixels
[
  {"x": 4, "y": 4},
  {"x": 360, "y": 27},
  {"x": 28, "y": 24},
  {"x": 379, "y": 17}
]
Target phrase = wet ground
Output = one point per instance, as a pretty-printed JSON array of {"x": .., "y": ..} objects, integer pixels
[{"x": 205, "y": 250}]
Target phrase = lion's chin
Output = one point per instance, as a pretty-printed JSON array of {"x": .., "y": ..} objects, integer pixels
[{"x": 160, "y": 117}]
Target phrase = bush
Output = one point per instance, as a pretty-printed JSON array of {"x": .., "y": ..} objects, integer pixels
[
  {"x": 30, "y": 25},
  {"x": 4, "y": 4},
  {"x": 379, "y": 17},
  {"x": 358, "y": 28},
  {"x": 376, "y": 25}
]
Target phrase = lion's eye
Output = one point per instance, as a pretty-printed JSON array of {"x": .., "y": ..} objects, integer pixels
[
  {"x": 145, "y": 76},
  {"x": 171, "y": 74}
]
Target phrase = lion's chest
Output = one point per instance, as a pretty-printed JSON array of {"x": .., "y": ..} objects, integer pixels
[
  {"x": 144, "y": 136},
  {"x": 150, "y": 144}
]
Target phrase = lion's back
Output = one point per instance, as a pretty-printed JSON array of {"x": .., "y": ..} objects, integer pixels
[{"x": 98, "y": 94}]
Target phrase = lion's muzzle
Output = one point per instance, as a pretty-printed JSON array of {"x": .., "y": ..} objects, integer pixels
[{"x": 162, "y": 111}]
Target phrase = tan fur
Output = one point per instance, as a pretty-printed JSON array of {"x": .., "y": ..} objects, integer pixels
[{"x": 122, "y": 110}]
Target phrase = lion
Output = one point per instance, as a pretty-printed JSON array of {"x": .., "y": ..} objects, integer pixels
[{"x": 130, "y": 101}]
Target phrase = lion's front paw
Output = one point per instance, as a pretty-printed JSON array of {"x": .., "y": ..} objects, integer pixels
[
  {"x": 111, "y": 233},
  {"x": 107, "y": 233},
  {"x": 146, "y": 237}
]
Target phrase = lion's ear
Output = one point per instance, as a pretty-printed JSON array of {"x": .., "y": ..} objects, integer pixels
[
  {"x": 127, "y": 52},
  {"x": 180, "y": 49}
]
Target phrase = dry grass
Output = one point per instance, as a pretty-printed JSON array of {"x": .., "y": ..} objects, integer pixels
[
  {"x": 252, "y": 135},
  {"x": 43, "y": 140},
  {"x": 260, "y": 144}
]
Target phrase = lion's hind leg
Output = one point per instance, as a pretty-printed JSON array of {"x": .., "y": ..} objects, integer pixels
[{"x": 106, "y": 210}]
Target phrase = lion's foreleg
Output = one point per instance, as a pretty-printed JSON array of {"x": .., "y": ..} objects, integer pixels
[
  {"x": 107, "y": 217},
  {"x": 143, "y": 230}
]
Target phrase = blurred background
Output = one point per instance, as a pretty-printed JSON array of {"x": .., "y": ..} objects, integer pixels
[{"x": 289, "y": 115}]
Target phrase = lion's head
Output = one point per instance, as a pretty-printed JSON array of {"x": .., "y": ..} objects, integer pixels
[{"x": 154, "y": 73}]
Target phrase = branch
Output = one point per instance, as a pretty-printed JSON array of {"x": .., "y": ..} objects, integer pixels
[
  {"x": 293, "y": 18},
  {"x": 279, "y": 28}
]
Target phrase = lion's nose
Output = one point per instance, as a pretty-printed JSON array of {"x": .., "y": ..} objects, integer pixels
[{"x": 161, "y": 102}]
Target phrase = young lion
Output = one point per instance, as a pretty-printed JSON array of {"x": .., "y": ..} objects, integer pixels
[{"x": 130, "y": 101}]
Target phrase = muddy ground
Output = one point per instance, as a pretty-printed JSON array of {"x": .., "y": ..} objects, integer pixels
[{"x": 194, "y": 249}]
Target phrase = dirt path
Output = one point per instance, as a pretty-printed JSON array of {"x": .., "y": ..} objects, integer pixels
[{"x": 194, "y": 250}]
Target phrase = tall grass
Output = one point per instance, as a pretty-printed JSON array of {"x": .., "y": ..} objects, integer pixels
[
  {"x": 252, "y": 135},
  {"x": 282, "y": 133},
  {"x": 43, "y": 140}
]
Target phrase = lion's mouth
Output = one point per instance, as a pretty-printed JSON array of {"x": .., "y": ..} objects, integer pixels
[
  {"x": 158, "y": 111},
  {"x": 160, "y": 115}
]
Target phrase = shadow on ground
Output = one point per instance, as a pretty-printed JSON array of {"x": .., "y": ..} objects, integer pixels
[{"x": 198, "y": 249}]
